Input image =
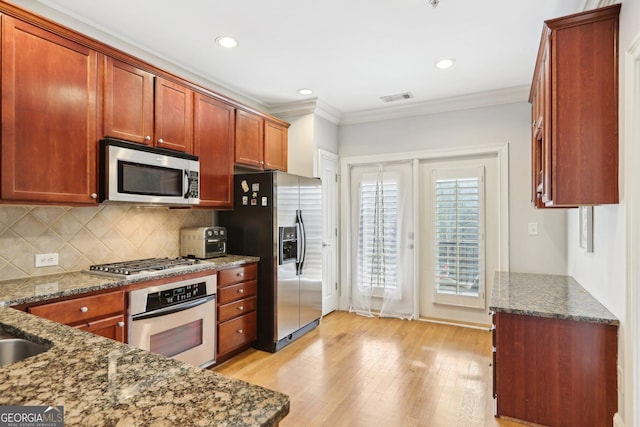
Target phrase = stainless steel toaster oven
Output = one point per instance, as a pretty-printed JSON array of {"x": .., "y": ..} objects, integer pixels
[{"x": 203, "y": 242}]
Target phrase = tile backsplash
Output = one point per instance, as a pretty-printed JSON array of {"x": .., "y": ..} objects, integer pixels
[{"x": 91, "y": 235}]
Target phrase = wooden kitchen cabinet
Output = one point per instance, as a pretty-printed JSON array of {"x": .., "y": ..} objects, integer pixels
[
  {"x": 574, "y": 97},
  {"x": 555, "y": 372},
  {"x": 102, "y": 314},
  {"x": 275, "y": 146},
  {"x": 174, "y": 116},
  {"x": 128, "y": 102},
  {"x": 236, "y": 310},
  {"x": 141, "y": 107},
  {"x": 49, "y": 117},
  {"x": 249, "y": 139},
  {"x": 214, "y": 131},
  {"x": 260, "y": 143}
]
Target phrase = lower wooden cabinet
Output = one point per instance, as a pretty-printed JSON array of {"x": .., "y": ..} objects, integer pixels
[
  {"x": 102, "y": 314},
  {"x": 555, "y": 372},
  {"x": 236, "y": 311}
]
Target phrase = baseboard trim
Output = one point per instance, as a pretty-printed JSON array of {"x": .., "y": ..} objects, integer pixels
[{"x": 617, "y": 420}]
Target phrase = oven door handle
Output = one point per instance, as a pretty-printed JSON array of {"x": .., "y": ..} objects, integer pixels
[{"x": 173, "y": 309}]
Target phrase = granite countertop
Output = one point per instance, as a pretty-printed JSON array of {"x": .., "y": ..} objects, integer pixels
[
  {"x": 101, "y": 382},
  {"x": 543, "y": 295},
  {"x": 41, "y": 288}
]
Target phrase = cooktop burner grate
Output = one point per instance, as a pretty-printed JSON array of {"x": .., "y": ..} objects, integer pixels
[{"x": 129, "y": 268}]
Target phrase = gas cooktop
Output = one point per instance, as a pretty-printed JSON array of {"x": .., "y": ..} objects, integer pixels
[{"x": 141, "y": 267}]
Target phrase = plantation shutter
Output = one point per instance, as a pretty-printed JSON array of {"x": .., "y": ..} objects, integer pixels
[{"x": 458, "y": 212}]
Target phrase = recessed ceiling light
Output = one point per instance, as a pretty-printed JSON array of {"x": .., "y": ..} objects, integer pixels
[
  {"x": 305, "y": 91},
  {"x": 443, "y": 64},
  {"x": 227, "y": 42}
]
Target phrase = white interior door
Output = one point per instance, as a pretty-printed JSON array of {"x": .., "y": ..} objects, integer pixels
[{"x": 328, "y": 171}]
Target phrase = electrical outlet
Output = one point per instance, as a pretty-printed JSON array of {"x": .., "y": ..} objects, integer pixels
[
  {"x": 533, "y": 229},
  {"x": 46, "y": 260}
]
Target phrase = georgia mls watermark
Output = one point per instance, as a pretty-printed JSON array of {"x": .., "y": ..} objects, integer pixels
[{"x": 31, "y": 416}]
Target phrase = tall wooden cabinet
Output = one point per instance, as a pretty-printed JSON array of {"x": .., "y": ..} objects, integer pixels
[
  {"x": 574, "y": 99},
  {"x": 214, "y": 130},
  {"x": 49, "y": 114}
]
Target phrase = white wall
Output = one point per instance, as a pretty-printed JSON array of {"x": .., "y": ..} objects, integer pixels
[
  {"x": 301, "y": 143},
  {"x": 545, "y": 253}
]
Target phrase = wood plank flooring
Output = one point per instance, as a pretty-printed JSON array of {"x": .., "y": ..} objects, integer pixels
[{"x": 358, "y": 371}]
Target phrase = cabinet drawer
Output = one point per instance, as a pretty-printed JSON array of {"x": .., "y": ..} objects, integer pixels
[
  {"x": 81, "y": 309},
  {"x": 236, "y": 332},
  {"x": 236, "y": 292},
  {"x": 238, "y": 274},
  {"x": 236, "y": 308},
  {"x": 110, "y": 327}
]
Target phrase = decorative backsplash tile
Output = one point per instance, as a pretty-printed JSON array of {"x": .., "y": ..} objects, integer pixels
[{"x": 92, "y": 235}]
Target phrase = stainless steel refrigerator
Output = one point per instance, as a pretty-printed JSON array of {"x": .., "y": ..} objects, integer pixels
[{"x": 277, "y": 216}]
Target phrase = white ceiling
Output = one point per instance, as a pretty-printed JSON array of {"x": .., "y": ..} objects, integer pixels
[{"x": 350, "y": 52}]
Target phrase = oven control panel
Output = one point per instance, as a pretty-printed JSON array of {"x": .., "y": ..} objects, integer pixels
[{"x": 175, "y": 295}]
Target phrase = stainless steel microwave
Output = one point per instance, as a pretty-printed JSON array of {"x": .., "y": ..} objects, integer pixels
[{"x": 134, "y": 173}]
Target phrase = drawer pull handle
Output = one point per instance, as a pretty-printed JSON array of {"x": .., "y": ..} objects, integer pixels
[
  {"x": 84, "y": 309},
  {"x": 241, "y": 291},
  {"x": 240, "y": 331},
  {"x": 121, "y": 324},
  {"x": 241, "y": 308}
]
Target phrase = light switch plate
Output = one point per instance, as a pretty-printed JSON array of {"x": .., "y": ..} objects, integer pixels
[{"x": 533, "y": 229}]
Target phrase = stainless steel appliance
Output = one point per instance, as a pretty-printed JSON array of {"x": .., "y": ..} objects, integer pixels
[
  {"x": 135, "y": 173},
  {"x": 141, "y": 267},
  {"x": 278, "y": 217},
  {"x": 203, "y": 242},
  {"x": 176, "y": 320}
]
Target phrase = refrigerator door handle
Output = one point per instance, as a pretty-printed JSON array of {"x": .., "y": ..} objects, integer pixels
[{"x": 302, "y": 243}]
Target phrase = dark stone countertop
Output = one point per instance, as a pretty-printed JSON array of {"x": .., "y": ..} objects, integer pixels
[
  {"x": 101, "y": 382},
  {"x": 544, "y": 295}
]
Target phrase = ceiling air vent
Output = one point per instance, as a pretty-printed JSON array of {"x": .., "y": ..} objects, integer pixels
[{"x": 398, "y": 97}]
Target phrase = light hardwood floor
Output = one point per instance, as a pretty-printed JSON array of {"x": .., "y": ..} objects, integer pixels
[{"x": 358, "y": 371}]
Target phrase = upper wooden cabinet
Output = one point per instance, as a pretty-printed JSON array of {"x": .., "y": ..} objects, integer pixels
[
  {"x": 574, "y": 99},
  {"x": 249, "y": 139},
  {"x": 174, "y": 116},
  {"x": 260, "y": 143},
  {"x": 275, "y": 146},
  {"x": 143, "y": 108},
  {"x": 214, "y": 129},
  {"x": 49, "y": 115},
  {"x": 128, "y": 102}
]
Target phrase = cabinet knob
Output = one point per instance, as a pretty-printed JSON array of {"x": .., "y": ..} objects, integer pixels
[
  {"x": 241, "y": 308},
  {"x": 160, "y": 141},
  {"x": 241, "y": 291},
  {"x": 94, "y": 196},
  {"x": 147, "y": 138},
  {"x": 121, "y": 324},
  {"x": 240, "y": 331},
  {"x": 84, "y": 309},
  {"x": 262, "y": 162},
  {"x": 241, "y": 274}
]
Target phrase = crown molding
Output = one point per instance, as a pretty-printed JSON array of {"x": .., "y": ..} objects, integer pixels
[
  {"x": 463, "y": 102},
  {"x": 307, "y": 106}
]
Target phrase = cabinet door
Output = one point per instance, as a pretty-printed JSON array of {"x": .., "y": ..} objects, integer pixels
[
  {"x": 49, "y": 129},
  {"x": 214, "y": 127},
  {"x": 249, "y": 139},
  {"x": 174, "y": 116},
  {"x": 110, "y": 327},
  {"x": 128, "y": 102},
  {"x": 275, "y": 146}
]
